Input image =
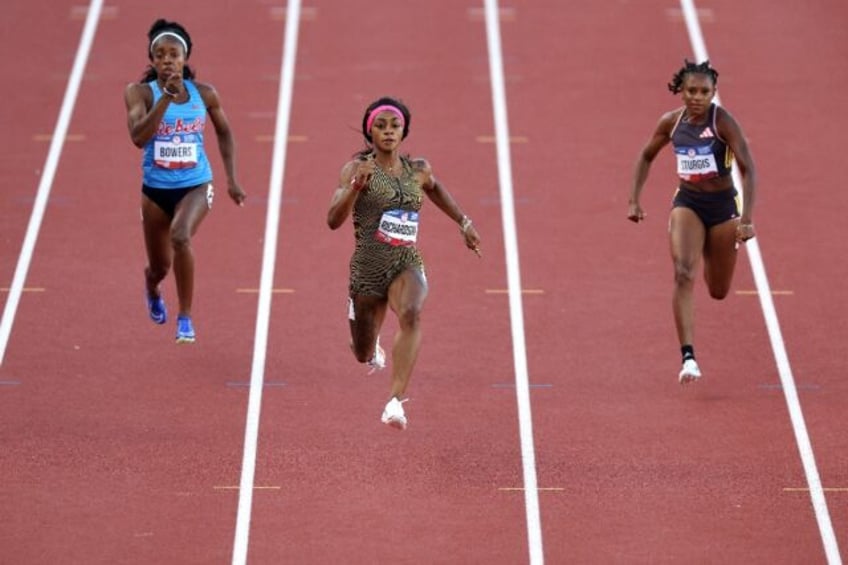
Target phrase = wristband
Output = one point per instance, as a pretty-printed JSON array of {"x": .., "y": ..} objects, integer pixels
[
  {"x": 464, "y": 223},
  {"x": 169, "y": 93}
]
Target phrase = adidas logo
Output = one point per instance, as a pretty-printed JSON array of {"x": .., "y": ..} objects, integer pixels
[{"x": 706, "y": 134}]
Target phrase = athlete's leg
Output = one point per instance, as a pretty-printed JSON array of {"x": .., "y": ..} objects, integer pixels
[
  {"x": 686, "y": 239},
  {"x": 720, "y": 258},
  {"x": 406, "y": 299},
  {"x": 188, "y": 215},
  {"x": 368, "y": 315},
  {"x": 156, "y": 225}
]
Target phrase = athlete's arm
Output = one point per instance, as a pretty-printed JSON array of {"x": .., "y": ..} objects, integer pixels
[
  {"x": 142, "y": 120},
  {"x": 440, "y": 196},
  {"x": 730, "y": 131},
  {"x": 659, "y": 139},
  {"x": 226, "y": 141}
]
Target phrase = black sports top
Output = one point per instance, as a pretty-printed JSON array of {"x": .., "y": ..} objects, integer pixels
[{"x": 701, "y": 154}]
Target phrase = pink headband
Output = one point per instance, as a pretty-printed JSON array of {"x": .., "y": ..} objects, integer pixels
[{"x": 383, "y": 108}]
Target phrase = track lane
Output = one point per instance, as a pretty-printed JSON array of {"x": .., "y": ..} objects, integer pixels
[
  {"x": 635, "y": 457},
  {"x": 39, "y": 86},
  {"x": 643, "y": 467},
  {"x": 800, "y": 236},
  {"x": 350, "y": 487},
  {"x": 128, "y": 445}
]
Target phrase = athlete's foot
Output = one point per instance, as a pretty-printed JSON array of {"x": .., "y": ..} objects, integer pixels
[
  {"x": 393, "y": 414},
  {"x": 378, "y": 359},
  {"x": 185, "y": 330},
  {"x": 156, "y": 309},
  {"x": 155, "y": 304},
  {"x": 689, "y": 373}
]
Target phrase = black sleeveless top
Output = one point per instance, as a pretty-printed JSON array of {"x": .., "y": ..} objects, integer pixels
[{"x": 701, "y": 154}]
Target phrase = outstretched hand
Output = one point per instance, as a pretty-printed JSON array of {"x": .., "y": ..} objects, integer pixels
[
  {"x": 635, "y": 213},
  {"x": 472, "y": 239},
  {"x": 236, "y": 193},
  {"x": 744, "y": 232},
  {"x": 363, "y": 173},
  {"x": 173, "y": 84}
]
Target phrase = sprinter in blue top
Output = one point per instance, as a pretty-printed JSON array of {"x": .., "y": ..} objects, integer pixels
[
  {"x": 705, "y": 220},
  {"x": 166, "y": 114}
]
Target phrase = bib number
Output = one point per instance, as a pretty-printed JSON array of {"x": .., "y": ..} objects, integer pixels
[
  {"x": 174, "y": 153},
  {"x": 695, "y": 163},
  {"x": 398, "y": 227}
]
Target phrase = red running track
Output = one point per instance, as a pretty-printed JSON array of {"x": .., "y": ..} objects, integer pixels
[{"x": 120, "y": 447}]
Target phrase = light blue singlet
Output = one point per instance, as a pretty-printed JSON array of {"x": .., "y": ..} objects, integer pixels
[{"x": 175, "y": 156}]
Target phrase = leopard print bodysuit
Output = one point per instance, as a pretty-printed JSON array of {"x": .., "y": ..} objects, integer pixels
[{"x": 375, "y": 263}]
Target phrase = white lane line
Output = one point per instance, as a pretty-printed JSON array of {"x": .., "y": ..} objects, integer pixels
[
  {"x": 802, "y": 438},
  {"x": 522, "y": 389},
  {"x": 50, "y": 166},
  {"x": 263, "y": 311}
]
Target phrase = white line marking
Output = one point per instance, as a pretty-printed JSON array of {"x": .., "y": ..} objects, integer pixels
[
  {"x": 802, "y": 438},
  {"x": 522, "y": 389},
  {"x": 46, "y": 182},
  {"x": 263, "y": 311}
]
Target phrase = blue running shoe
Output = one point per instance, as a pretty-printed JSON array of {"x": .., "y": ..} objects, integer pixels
[
  {"x": 185, "y": 331},
  {"x": 157, "y": 310}
]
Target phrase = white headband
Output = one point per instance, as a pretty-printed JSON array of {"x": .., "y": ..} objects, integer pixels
[{"x": 172, "y": 34}]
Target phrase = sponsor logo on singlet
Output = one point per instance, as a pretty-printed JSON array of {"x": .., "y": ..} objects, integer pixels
[
  {"x": 175, "y": 146},
  {"x": 398, "y": 227}
]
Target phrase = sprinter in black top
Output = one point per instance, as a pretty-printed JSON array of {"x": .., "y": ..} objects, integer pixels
[{"x": 705, "y": 220}]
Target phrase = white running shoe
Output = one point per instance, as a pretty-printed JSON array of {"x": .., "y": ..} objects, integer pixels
[
  {"x": 378, "y": 360},
  {"x": 689, "y": 373},
  {"x": 393, "y": 414}
]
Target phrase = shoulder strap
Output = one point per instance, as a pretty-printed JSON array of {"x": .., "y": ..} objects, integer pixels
[{"x": 677, "y": 122}]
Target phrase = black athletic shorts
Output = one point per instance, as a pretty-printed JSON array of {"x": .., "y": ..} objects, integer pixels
[
  {"x": 712, "y": 208},
  {"x": 168, "y": 198}
]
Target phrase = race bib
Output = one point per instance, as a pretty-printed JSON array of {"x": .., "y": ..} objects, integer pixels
[
  {"x": 398, "y": 227},
  {"x": 174, "y": 153},
  {"x": 695, "y": 163}
]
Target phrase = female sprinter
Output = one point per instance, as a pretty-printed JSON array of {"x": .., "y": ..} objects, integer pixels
[
  {"x": 384, "y": 191},
  {"x": 705, "y": 220},
  {"x": 166, "y": 114}
]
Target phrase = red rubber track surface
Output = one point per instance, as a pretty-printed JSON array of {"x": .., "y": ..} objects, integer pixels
[{"x": 120, "y": 447}]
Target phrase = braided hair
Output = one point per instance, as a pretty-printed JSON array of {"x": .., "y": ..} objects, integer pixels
[
  {"x": 163, "y": 26},
  {"x": 689, "y": 68}
]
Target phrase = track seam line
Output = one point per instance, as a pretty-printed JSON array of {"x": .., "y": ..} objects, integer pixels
[
  {"x": 522, "y": 389},
  {"x": 263, "y": 310},
  {"x": 50, "y": 166},
  {"x": 802, "y": 438}
]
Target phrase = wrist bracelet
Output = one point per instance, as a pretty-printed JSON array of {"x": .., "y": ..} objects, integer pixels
[
  {"x": 169, "y": 93},
  {"x": 464, "y": 223}
]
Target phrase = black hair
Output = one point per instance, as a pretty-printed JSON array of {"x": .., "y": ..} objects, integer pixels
[
  {"x": 382, "y": 101},
  {"x": 162, "y": 26},
  {"x": 689, "y": 68}
]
